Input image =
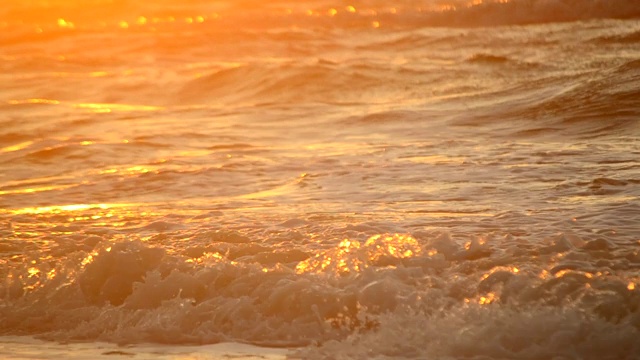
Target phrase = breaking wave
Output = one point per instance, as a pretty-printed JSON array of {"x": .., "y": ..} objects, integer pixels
[{"x": 396, "y": 295}]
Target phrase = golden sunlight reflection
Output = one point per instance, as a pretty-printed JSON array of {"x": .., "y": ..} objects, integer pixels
[
  {"x": 511, "y": 269},
  {"x": 562, "y": 273},
  {"x": 113, "y": 15},
  {"x": 51, "y": 274},
  {"x": 138, "y": 170},
  {"x": 487, "y": 299},
  {"x": 352, "y": 257},
  {"x": 65, "y": 24},
  {"x": 31, "y": 190},
  {"x": 92, "y": 107},
  {"x": 107, "y": 108},
  {"x": 33, "y": 271},
  {"x": 34, "y": 101},
  {"x": 88, "y": 259},
  {"x": 62, "y": 219},
  {"x": 17, "y": 147},
  {"x": 58, "y": 209},
  {"x": 212, "y": 258},
  {"x": 398, "y": 246}
]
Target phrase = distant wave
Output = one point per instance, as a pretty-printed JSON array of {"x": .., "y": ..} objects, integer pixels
[
  {"x": 609, "y": 102},
  {"x": 487, "y": 13},
  {"x": 496, "y": 12},
  {"x": 322, "y": 14},
  {"x": 604, "y": 104},
  {"x": 320, "y": 82}
]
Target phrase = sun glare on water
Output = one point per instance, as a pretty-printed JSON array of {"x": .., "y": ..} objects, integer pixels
[
  {"x": 65, "y": 208},
  {"x": 127, "y": 15}
]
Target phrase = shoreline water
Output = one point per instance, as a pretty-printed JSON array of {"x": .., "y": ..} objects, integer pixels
[{"x": 26, "y": 347}]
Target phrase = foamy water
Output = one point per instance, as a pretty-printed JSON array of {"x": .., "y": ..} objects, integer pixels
[{"x": 436, "y": 180}]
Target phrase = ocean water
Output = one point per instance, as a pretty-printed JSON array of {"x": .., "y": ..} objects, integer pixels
[{"x": 364, "y": 180}]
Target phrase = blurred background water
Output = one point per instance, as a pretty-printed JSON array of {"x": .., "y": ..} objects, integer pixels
[{"x": 435, "y": 179}]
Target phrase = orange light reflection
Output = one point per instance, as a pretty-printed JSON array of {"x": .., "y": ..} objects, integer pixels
[
  {"x": 16, "y": 147},
  {"x": 107, "y": 108},
  {"x": 35, "y": 189},
  {"x": 58, "y": 209}
]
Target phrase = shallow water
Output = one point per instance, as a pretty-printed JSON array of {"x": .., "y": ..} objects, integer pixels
[
  {"x": 22, "y": 347},
  {"x": 348, "y": 181}
]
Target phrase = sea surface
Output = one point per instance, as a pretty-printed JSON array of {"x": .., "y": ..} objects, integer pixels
[{"x": 344, "y": 180}]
